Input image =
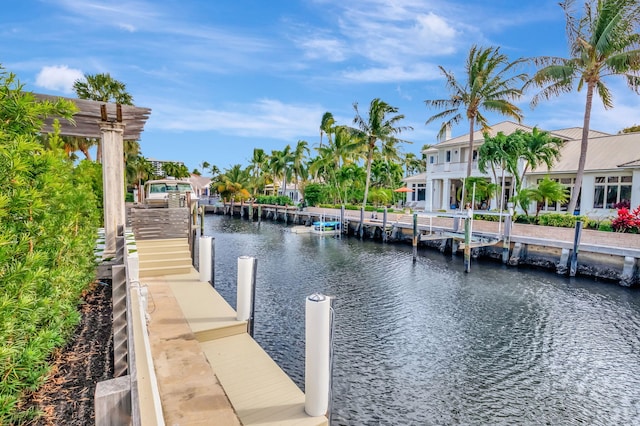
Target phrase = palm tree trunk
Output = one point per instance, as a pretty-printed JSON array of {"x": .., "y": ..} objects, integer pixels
[
  {"x": 471, "y": 125},
  {"x": 366, "y": 186},
  {"x": 577, "y": 187}
]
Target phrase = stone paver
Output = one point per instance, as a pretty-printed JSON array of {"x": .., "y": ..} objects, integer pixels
[{"x": 190, "y": 391}]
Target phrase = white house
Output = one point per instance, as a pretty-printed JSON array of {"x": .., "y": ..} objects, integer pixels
[{"x": 612, "y": 171}]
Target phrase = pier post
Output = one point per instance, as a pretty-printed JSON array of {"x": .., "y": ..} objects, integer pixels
[
  {"x": 415, "y": 236},
  {"x": 384, "y": 225},
  {"x": 231, "y": 208},
  {"x": 251, "y": 211},
  {"x": 113, "y": 183},
  {"x": 259, "y": 213},
  {"x": 205, "y": 259},
  {"x": 246, "y": 292},
  {"x": 467, "y": 242},
  {"x": 201, "y": 220},
  {"x": 574, "y": 254},
  {"x": 342, "y": 227},
  {"x": 317, "y": 366},
  {"x": 506, "y": 239},
  {"x": 361, "y": 222}
]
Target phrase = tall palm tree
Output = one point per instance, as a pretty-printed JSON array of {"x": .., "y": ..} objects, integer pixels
[
  {"x": 377, "y": 126},
  {"x": 258, "y": 165},
  {"x": 280, "y": 162},
  {"x": 602, "y": 42},
  {"x": 103, "y": 88},
  {"x": 298, "y": 161},
  {"x": 326, "y": 126},
  {"x": 489, "y": 85}
]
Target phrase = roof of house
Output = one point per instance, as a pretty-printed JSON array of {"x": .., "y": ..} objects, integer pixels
[
  {"x": 199, "y": 181},
  {"x": 420, "y": 177},
  {"x": 603, "y": 153},
  {"x": 508, "y": 127}
]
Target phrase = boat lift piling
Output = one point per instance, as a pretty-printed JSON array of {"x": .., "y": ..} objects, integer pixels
[
  {"x": 415, "y": 237},
  {"x": 384, "y": 225},
  {"x": 573, "y": 267},
  {"x": 343, "y": 228},
  {"x": 361, "y": 222}
]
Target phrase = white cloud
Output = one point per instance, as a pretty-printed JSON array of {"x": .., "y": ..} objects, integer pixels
[
  {"x": 266, "y": 118},
  {"x": 58, "y": 77},
  {"x": 325, "y": 49},
  {"x": 417, "y": 72}
]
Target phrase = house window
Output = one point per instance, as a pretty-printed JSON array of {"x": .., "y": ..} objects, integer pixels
[
  {"x": 448, "y": 156},
  {"x": 611, "y": 190},
  {"x": 421, "y": 192},
  {"x": 475, "y": 155},
  {"x": 432, "y": 159}
]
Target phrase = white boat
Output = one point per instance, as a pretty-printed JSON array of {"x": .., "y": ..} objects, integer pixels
[{"x": 158, "y": 192}]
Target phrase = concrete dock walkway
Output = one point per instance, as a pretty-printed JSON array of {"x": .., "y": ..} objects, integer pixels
[{"x": 209, "y": 370}]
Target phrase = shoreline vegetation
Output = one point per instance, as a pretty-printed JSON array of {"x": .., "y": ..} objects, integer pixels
[{"x": 48, "y": 228}]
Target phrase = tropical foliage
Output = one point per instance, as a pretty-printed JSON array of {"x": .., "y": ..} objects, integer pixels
[
  {"x": 490, "y": 85},
  {"x": 48, "y": 219},
  {"x": 380, "y": 125},
  {"x": 603, "y": 41},
  {"x": 627, "y": 221},
  {"x": 103, "y": 88}
]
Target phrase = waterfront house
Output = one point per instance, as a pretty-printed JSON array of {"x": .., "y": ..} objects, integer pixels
[{"x": 612, "y": 171}]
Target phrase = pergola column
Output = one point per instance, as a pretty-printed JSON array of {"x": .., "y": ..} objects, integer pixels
[{"x": 112, "y": 182}]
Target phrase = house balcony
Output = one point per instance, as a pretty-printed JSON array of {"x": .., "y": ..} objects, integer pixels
[{"x": 451, "y": 167}]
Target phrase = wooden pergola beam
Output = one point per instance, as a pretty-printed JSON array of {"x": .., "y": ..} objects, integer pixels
[{"x": 88, "y": 118}]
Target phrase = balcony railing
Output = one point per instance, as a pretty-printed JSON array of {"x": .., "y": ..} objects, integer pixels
[{"x": 451, "y": 167}]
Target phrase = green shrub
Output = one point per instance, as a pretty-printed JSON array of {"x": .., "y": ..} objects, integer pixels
[
  {"x": 562, "y": 220},
  {"x": 523, "y": 218},
  {"x": 277, "y": 200},
  {"x": 605, "y": 226},
  {"x": 48, "y": 221}
]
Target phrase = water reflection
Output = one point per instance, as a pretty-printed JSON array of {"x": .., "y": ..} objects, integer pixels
[{"x": 426, "y": 343}]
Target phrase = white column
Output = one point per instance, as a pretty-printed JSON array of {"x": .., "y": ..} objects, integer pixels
[
  {"x": 635, "y": 189},
  {"x": 446, "y": 193},
  {"x": 112, "y": 182}
]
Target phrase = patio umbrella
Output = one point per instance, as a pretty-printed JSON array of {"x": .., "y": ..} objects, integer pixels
[{"x": 403, "y": 189}]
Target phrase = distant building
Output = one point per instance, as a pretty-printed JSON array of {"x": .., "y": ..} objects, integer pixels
[
  {"x": 157, "y": 166},
  {"x": 611, "y": 174}
]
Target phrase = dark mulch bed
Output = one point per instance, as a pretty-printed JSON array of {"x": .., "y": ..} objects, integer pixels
[{"x": 67, "y": 396}]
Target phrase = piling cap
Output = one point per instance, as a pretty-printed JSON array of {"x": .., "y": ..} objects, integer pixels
[{"x": 316, "y": 297}]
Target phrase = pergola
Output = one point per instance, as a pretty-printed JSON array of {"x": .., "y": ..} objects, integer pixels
[{"x": 112, "y": 123}]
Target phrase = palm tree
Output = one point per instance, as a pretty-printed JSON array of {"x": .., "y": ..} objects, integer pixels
[
  {"x": 258, "y": 165},
  {"x": 489, "y": 86},
  {"x": 377, "y": 127},
  {"x": 102, "y": 88},
  {"x": 501, "y": 152},
  {"x": 177, "y": 170},
  {"x": 539, "y": 148},
  {"x": 549, "y": 191},
  {"x": 298, "y": 159},
  {"x": 602, "y": 42},
  {"x": 326, "y": 126},
  {"x": 412, "y": 164},
  {"x": 279, "y": 163},
  {"x": 233, "y": 183},
  {"x": 139, "y": 169}
]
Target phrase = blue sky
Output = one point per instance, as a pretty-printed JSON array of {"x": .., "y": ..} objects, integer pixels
[{"x": 224, "y": 77}]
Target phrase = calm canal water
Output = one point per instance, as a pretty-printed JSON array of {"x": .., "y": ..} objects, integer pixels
[{"x": 426, "y": 344}]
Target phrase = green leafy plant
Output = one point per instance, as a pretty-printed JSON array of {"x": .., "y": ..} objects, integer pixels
[{"x": 48, "y": 220}]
